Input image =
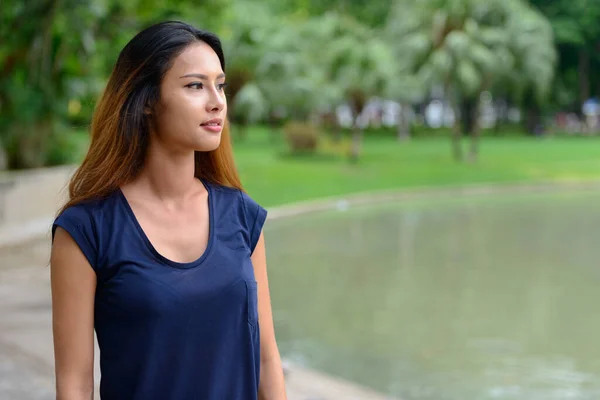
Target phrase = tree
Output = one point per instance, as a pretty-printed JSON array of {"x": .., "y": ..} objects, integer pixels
[
  {"x": 358, "y": 62},
  {"x": 271, "y": 71},
  {"x": 311, "y": 65},
  {"x": 55, "y": 56},
  {"x": 370, "y": 13},
  {"x": 530, "y": 79},
  {"x": 290, "y": 73},
  {"x": 406, "y": 87},
  {"x": 244, "y": 44},
  {"x": 39, "y": 62},
  {"x": 467, "y": 47},
  {"x": 577, "y": 33}
]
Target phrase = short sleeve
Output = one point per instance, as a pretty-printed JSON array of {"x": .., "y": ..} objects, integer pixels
[
  {"x": 78, "y": 222},
  {"x": 256, "y": 216}
]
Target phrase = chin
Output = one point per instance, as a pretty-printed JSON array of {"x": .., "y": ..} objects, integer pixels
[{"x": 209, "y": 145}]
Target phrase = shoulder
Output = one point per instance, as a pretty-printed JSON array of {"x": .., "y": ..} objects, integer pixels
[
  {"x": 84, "y": 223},
  {"x": 78, "y": 215},
  {"x": 238, "y": 196},
  {"x": 253, "y": 208},
  {"x": 255, "y": 217},
  {"x": 230, "y": 196},
  {"x": 87, "y": 212},
  {"x": 239, "y": 207}
]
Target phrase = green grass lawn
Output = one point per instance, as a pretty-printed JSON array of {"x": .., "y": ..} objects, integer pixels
[{"x": 272, "y": 178}]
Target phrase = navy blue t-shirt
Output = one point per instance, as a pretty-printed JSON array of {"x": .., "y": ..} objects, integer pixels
[{"x": 169, "y": 330}]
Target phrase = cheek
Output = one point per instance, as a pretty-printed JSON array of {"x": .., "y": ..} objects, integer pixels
[
  {"x": 181, "y": 112},
  {"x": 188, "y": 107}
]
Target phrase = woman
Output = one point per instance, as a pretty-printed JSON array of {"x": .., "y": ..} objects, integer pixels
[{"x": 158, "y": 248}]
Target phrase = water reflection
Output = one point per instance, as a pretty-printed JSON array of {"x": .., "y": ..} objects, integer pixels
[{"x": 446, "y": 299}]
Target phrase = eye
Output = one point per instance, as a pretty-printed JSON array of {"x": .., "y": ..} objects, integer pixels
[
  {"x": 195, "y": 85},
  {"x": 222, "y": 86}
]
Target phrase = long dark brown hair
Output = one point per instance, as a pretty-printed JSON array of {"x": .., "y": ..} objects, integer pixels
[{"x": 120, "y": 128}]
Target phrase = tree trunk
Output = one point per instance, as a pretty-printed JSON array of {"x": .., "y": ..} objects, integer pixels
[
  {"x": 532, "y": 113},
  {"x": 456, "y": 131},
  {"x": 331, "y": 124},
  {"x": 532, "y": 120},
  {"x": 584, "y": 77},
  {"x": 403, "y": 123},
  {"x": 357, "y": 101},
  {"x": 475, "y": 133},
  {"x": 469, "y": 115},
  {"x": 456, "y": 142},
  {"x": 501, "y": 108},
  {"x": 357, "y": 135},
  {"x": 450, "y": 102}
]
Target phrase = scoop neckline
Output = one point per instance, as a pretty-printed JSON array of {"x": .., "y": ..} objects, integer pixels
[{"x": 156, "y": 253}]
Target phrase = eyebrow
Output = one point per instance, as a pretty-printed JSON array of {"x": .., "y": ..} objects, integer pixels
[{"x": 201, "y": 76}]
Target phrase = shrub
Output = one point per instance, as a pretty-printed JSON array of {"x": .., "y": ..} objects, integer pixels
[{"x": 301, "y": 137}]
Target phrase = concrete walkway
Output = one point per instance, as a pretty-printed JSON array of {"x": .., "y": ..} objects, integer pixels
[{"x": 26, "y": 349}]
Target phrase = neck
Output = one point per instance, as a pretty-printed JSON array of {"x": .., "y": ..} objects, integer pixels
[{"x": 168, "y": 175}]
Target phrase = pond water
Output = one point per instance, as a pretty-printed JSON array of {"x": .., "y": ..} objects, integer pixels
[{"x": 446, "y": 299}]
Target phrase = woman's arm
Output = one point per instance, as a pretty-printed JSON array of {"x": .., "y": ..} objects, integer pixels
[
  {"x": 73, "y": 284},
  {"x": 271, "y": 385}
]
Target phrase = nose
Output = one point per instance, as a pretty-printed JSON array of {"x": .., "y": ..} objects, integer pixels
[{"x": 216, "y": 101}]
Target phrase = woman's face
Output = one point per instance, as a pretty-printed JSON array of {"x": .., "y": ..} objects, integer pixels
[{"x": 192, "y": 108}]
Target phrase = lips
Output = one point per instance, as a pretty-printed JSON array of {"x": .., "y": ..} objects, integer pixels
[
  {"x": 213, "y": 125},
  {"x": 213, "y": 122}
]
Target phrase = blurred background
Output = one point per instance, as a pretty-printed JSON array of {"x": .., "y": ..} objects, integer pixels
[{"x": 431, "y": 167}]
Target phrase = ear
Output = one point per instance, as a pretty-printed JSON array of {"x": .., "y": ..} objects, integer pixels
[{"x": 147, "y": 110}]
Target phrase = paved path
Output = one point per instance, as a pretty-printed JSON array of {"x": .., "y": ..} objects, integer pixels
[
  {"x": 26, "y": 365},
  {"x": 26, "y": 349}
]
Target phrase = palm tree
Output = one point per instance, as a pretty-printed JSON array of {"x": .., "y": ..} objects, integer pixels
[
  {"x": 290, "y": 74},
  {"x": 468, "y": 46},
  {"x": 271, "y": 67},
  {"x": 357, "y": 62},
  {"x": 405, "y": 88},
  {"x": 303, "y": 67},
  {"x": 531, "y": 42}
]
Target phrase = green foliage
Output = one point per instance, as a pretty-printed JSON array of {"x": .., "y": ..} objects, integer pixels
[
  {"x": 56, "y": 53},
  {"x": 470, "y": 46},
  {"x": 359, "y": 61},
  {"x": 290, "y": 59},
  {"x": 577, "y": 32},
  {"x": 370, "y": 13},
  {"x": 68, "y": 146},
  {"x": 574, "y": 21},
  {"x": 43, "y": 46},
  {"x": 298, "y": 67}
]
